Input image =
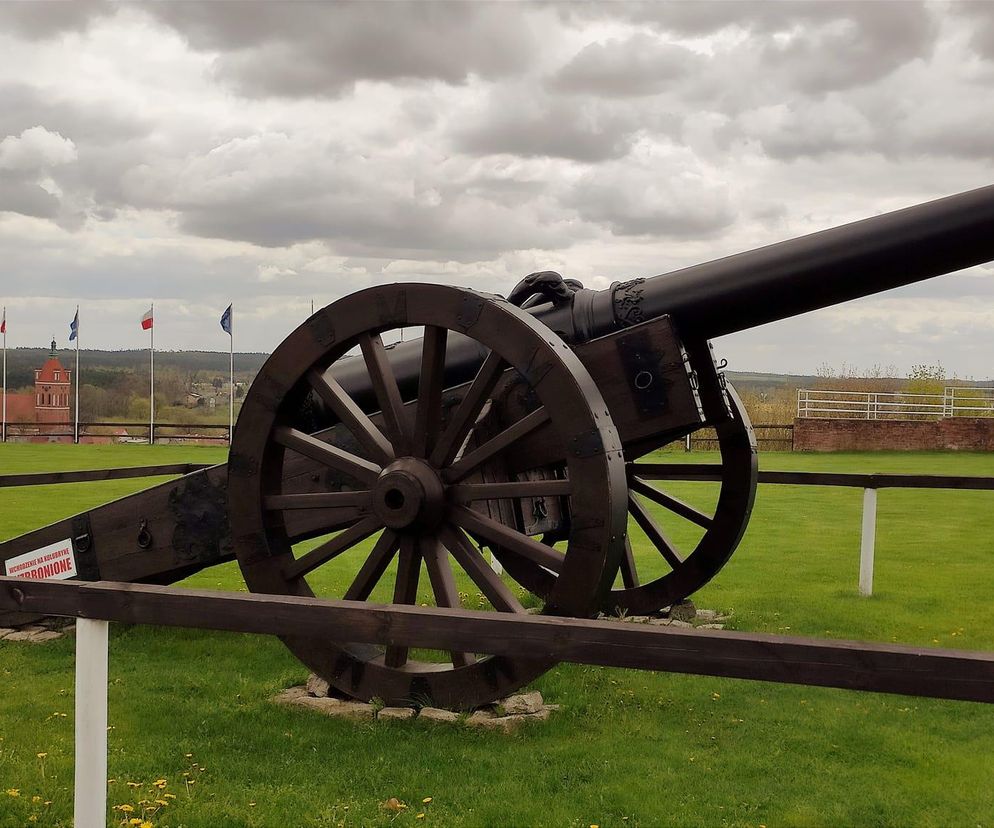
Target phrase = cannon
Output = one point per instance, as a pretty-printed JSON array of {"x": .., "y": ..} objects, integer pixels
[{"x": 527, "y": 426}]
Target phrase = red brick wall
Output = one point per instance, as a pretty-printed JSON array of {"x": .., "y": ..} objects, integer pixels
[{"x": 955, "y": 434}]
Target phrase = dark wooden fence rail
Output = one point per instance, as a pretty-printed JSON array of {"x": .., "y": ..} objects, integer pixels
[
  {"x": 15, "y": 430},
  {"x": 771, "y": 436},
  {"x": 711, "y": 471},
  {"x": 886, "y": 668},
  {"x": 90, "y": 475}
]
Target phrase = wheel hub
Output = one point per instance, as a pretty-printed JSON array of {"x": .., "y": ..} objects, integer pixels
[{"x": 409, "y": 495}]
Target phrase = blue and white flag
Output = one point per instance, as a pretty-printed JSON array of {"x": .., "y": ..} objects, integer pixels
[
  {"x": 74, "y": 326},
  {"x": 226, "y": 320}
]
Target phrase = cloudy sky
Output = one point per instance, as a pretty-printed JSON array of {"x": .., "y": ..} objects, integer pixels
[{"x": 195, "y": 153}]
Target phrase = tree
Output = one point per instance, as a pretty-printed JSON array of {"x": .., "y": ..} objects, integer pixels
[{"x": 927, "y": 379}]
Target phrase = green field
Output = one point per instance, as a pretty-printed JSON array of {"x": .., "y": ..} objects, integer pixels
[{"x": 628, "y": 748}]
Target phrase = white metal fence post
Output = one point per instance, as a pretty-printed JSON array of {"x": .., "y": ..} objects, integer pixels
[
  {"x": 90, "y": 793},
  {"x": 867, "y": 542}
]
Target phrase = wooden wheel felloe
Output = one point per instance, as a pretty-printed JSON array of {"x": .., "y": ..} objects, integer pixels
[
  {"x": 408, "y": 490},
  {"x": 722, "y": 527}
]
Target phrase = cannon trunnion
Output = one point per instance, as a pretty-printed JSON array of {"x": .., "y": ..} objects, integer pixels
[{"x": 526, "y": 430}]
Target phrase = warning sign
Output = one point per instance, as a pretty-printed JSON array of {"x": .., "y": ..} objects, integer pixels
[{"x": 53, "y": 561}]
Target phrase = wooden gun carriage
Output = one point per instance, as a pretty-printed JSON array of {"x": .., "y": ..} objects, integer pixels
[{"x": 525, "y": 426}]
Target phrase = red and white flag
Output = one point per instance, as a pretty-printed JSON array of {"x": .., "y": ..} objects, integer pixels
[{"x": 147, "y": 320}]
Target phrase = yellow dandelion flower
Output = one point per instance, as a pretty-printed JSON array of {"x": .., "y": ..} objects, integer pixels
[
  {"x": 426, "y": 800},
  {"x": 421, "y": 816},
  {"x": 160, "y": 783},
  {"x": 32, "y": 818},
  {"x": 135, "y": 821},
  {"x": 41, "y": 755},
  {"x": 36, "y": 798},
  {"x": 146, "y": 824},
  {"x": 134, "y": 784},
  {"x": 161, "y": 802},
  {"x": 126, "y": 808},
  {"x": 13, "y": 792},
  {"x": 169, "y": 796}
]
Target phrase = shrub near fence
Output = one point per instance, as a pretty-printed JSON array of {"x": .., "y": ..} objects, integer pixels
[{"x": 769, "y": 436}]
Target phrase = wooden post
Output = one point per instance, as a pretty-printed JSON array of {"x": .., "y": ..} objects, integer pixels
[
  {"x": 867, "y": 542},
  {"x": 90, "y": 797}
]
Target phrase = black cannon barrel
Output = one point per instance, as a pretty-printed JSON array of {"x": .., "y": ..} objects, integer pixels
[
  {"x": 826, "y": 268},
  {"x": 756, "y": 287}
]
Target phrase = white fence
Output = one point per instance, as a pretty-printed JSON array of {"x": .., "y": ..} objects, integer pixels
[{"x": 954, "y": 401}]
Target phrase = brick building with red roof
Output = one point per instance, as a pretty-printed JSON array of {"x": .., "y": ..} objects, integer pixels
[{"x": 50, "y": 402}]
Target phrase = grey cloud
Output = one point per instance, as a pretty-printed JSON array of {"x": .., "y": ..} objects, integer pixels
[
  {"x": 39, "y": 20},
  {"x": 660, "y": 198},
  {"x": 39, "y": 125},
  {"x": 27, "y": 198},
  {"x": 864, "y": 43},
  {"x": 94, "y": 122},
  {"x": 980, "y": 18},
  {"x": 321, "y": 49},
  {"x": 35, "y": 149},
  {"x": 276, "y": 190},
  {"x": 521, "y": 122},
  {"x": 814, "y": 47},
  {"x": 808, "y": 128},
  {"x": 639, "y": 65}
]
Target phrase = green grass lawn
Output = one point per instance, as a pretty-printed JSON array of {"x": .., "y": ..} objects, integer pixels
[{"x": 629, "y": 748}]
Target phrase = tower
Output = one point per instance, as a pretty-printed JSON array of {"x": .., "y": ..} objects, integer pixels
[{"x": 52, "y": 391}]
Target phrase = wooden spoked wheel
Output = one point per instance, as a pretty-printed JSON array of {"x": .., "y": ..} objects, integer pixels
[
  {"x": 654, "y": 512},
  {"x": 722, "y": 526},
  {"x": 406, "y": 491}
]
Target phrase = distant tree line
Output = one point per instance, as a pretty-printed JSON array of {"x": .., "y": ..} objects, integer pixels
[{"x": 102, "y": 369}]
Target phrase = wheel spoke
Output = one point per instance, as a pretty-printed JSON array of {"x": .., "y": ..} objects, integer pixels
[
  {"x": 354, "y": 418},
  {"x": 468, "y": 410},
  {"x": 469, "y": 492},
  {"x": 344, "y": 540},
  {"x": 327, "y": 454},
  {"x": 685, "y": 510},
  {"x": 496, "y": 444},
  {"x": 306, "y": 524},
  {"x": 443, "y": 584},
  {"x": 481, "y": 573},
  {"x": 652, "y": 530},
  {"x": 429, "y": 414},
  {"x": 384, "y": 384},
  {"x": 318, "y": 500},
  {"x": 405, "y": 592},
  {"x": 373, "y": 567},
  {"x": 629, "y": 575},
  {"x": 508, "y": 539}
]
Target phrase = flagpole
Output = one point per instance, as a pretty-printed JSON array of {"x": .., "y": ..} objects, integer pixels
[
  {"x": 231, "y": 378},
  {"x": 76, "y": 429},
  {"x": 3, "y": 428},
  {"x": 151, "y": 379}
]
